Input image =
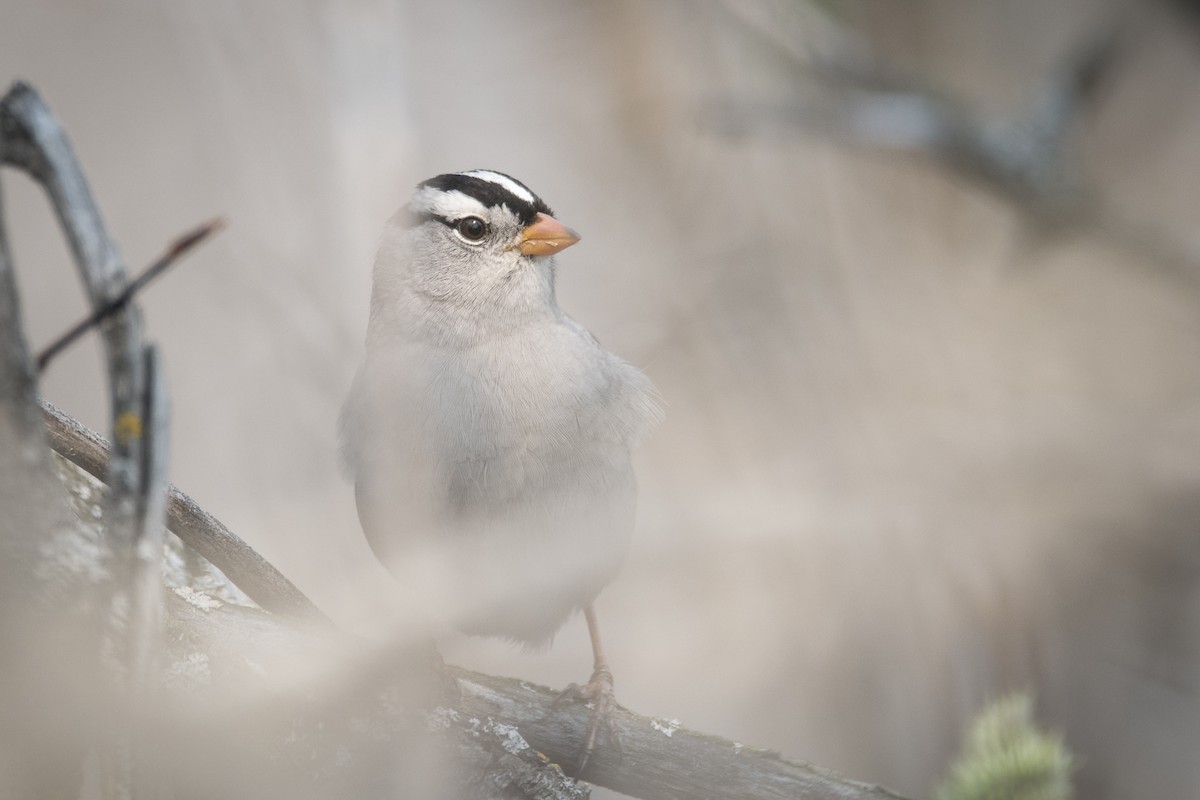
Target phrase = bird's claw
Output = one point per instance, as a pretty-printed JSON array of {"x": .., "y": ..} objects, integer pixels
[{"x": 598, "y": 695}]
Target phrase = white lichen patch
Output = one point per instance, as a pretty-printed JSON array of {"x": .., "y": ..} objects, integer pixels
[
  {"x": 182, "y": 566},
  {"x": 73, "y": 555},
  {"x": 667, "y": 727},
  {"x": 510, "y": 738},
  {"x": 440, "y": 718},
  {"x": 198, "y": 599},
  {"x": 193, "y": 669},
  {"x": 85, "y": 493}
]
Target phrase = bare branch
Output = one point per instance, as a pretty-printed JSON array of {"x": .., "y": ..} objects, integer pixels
[
  {"x": 177, "y": 249},
  {"x": 845, "y": 93},
  {"x": 36, "y": 143},
  {"x": 657, "y": 759},
  {"x": 42, "y": 756},
  {"x": 1024, "y": 159},
  {"x": 249, "y": 571},
  {"x": 32, "y": 139}
]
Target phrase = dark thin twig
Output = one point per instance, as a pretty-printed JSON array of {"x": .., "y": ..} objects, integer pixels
[{"x": 173, "y": 253}]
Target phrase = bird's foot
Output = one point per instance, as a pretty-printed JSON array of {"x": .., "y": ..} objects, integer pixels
[{"x": 598, "y": 695}]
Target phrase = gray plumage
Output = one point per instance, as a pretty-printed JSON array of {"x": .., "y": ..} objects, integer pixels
[{"x": 488, "y": 434}]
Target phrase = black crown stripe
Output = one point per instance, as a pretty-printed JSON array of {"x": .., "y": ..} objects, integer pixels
[{"x": 490, "y": 194}]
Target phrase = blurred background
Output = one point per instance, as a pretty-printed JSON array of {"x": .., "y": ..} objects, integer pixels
[{"x": 919, "y": 282}]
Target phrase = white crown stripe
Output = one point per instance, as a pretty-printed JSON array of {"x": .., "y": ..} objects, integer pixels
[
  {"x": 508, "y": 183},
  {"x": 452, "y": 205}
]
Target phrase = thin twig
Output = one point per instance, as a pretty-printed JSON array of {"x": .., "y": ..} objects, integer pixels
[{"x": 173, "y": 253}]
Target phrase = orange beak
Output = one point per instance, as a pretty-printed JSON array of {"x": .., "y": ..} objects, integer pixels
[{"x": 545, "y": 236}]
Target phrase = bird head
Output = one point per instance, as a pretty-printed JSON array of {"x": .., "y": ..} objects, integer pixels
[{"x": 474, "y": 246}]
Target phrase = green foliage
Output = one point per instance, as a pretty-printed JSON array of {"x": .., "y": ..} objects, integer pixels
[{"x": 1005, "y": 757}]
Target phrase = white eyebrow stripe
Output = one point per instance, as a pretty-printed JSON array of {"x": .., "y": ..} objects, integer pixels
[
  {"x": 452, "y": 205},
  {"x": 503, "y": 180}
]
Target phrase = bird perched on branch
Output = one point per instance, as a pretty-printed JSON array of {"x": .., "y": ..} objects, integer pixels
[{"x": 489, "y": 435}]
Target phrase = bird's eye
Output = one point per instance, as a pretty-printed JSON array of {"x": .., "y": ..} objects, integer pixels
[{"x": 472, "y": 228}]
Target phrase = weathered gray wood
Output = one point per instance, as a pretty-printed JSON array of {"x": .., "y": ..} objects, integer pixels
[
  {"x": 657, "y": 759},
  {"x": 202, "y": 532},
  {"x": 256, "y": 705}
]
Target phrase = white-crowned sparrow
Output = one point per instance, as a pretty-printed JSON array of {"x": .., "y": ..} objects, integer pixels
[{"x": 488, "y": 433}]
